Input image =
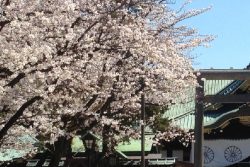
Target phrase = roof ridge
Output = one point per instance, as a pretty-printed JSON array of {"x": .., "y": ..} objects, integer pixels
[
  {"x": 231, "y": 87},
  {"x": 248, "y": 67}
]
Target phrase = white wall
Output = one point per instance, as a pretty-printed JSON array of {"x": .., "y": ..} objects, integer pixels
[{"x": 220, "y": 153}]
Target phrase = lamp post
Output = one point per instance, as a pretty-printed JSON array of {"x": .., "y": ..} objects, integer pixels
[
  {"x": 142, "y": 131},
  {"x": 89, "y": 143}
]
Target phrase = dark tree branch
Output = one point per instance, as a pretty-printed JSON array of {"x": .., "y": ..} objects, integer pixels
[
  {"x": 76, "y": 22},
  {"x": 4, "y": 72},
  {"x": 86, "y": 129},
  {"x": 17, "y": 115},
  {"x": 86, "y": 31},
  {"x": 7, "y": 3},
  {"x": 3, "y": 23},
  {"x": 5, "y": 109},
  {"x": 48, "y": 69},
  {"x": 91, "y": 101},
  {"x": 13, "y": 82},
  {"x": 106, "y": 105},
  {"x": 142, "y": 86},
  {"x": 63, "y": 49}
]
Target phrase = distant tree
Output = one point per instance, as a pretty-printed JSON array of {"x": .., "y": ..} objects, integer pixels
[
  {"x": 77, "y": 65},
  {"x": 164, "y": 128}
]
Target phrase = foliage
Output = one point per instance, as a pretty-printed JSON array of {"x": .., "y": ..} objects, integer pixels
[
  {"x": 155, "y": 119},
  {"x": 164, "y": 128}
]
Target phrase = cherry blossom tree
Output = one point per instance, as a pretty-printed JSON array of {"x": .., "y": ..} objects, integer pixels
[{"x": 78, "y": 65}]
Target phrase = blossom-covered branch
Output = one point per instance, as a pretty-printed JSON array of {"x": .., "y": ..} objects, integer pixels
[{"x": 86, "y": 60}]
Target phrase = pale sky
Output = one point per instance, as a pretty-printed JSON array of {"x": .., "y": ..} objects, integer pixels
[{"x": 229, "y": 21}]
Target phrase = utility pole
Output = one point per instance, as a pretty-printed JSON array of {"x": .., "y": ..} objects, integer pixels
[
  {"x": 198, "y": 130},
  {"x": 142, "y": 130}
]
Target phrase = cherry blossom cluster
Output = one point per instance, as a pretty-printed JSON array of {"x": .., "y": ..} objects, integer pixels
[
  {"x": 185, "y": 137},
  {"x": 89, "y": 61}
]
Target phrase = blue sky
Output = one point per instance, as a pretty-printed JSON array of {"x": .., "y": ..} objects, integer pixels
[{"x": 229, "y": 21}]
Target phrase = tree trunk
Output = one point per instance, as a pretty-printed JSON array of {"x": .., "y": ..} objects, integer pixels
[
  {"x": 62, "y": 148},
  {"x": 42, "y": 158},
  {"x": 17, "y": 115},
  {"x": 105, "y": 142},
  {"x": 68, "y": 153}
]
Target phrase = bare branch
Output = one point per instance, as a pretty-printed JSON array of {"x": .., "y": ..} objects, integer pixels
[{"x": 17, "y": 115}]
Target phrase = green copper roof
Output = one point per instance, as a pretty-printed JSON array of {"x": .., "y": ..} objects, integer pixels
[
  {"x": 135, "y": 145},
  {"x": 182, "y": 114},
  {"x": 77, "y": 146},
  {"x": 223, "y": 118},
  {"x": 215, "y": 119},
  {"x": 132, "y": 145},
  {"x": 9, "y": 154},
  {"x": 212, "y": 87}
]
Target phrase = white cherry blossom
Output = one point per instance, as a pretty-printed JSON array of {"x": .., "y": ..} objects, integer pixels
[{"x": 89, "y": 61}]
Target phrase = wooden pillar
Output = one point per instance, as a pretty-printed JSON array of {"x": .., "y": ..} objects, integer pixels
[
  {"x": 198, "y": 130},
  {"x": 142, "y": 130}
]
